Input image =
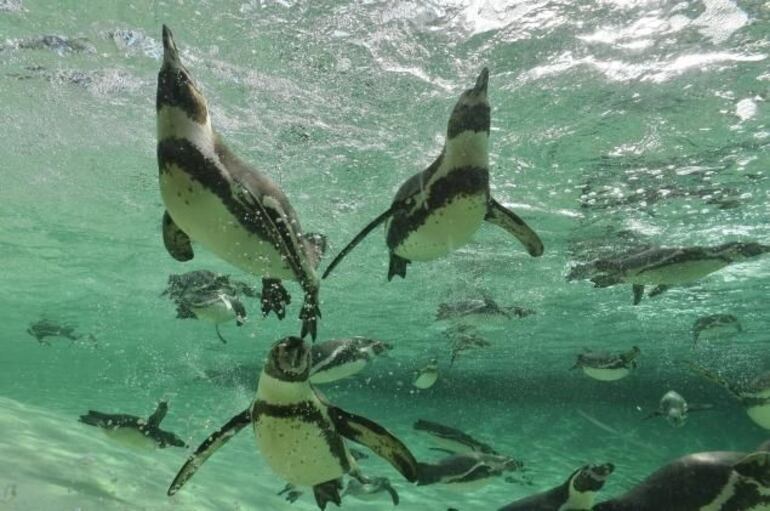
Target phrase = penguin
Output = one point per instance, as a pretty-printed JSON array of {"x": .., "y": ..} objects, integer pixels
[
  {"x": 577, "y": 493},
  {"x": 370, "y": 489},
  {"x": 715, "y": 326},
  {"x": 754, "y": 397},
  {"x": 180, "y": 285},
  {"x": 44, "y": 328},
  {"x": 479, "y": 312},
  {"x": 674, "y": 409},
  {"x": 706, "y": 481},
  {"x": 299, "y": 433},
  {"x": 606, "y": 367},
  {"x": 665, "y": 267},
  {"x": 452, "y": 439},
  {"x": 216, "y": 308},
  {"x": 438, "y": 210},
  {"x": 464, "y": 338},
  {"x": 341, "y": 358},
  {"x": 426, "y": 377},
  {"x": 135, "y": 431},
  {"x": 214, "y": 198},
  {"x": 465, "y": 472}
]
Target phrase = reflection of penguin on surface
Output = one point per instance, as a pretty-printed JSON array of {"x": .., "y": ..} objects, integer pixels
[
  {"x": 439, "y": 209},
  {"x": 216, "y": 199}
]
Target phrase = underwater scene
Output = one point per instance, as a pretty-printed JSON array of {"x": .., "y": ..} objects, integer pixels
[{"x": 449, "y": 255}]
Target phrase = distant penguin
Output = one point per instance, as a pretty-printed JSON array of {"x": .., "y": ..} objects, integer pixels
[
  {"x": 664, "y": 267},
  {"x": 44, "y": 328},
  {"x": 465, "y": 472},
  {"x": 479, "y": 313},
  {"x": 370, "y": 489},
  {"x": 425, "y": 377},
  {"x": 577, "y": 493},
  {"x": 216, "y": 199},
  {"x": 217, "y": 308},
  {"x": 439, "y": 209},
  {"x": 706, "y": 481},
  {"x": 754, "y": 397},
  {"x": 135, "y": 431},
  {"x": 342, "y": 358},
  {"x": 607, "y": 367},
  {"x": 451, "y": 438},
  {"x": 674, "y": 409},
  {"x": 715, "y": 326}
]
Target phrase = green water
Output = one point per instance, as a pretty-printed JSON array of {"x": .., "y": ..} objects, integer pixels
[{"x": 658, "y": 108}]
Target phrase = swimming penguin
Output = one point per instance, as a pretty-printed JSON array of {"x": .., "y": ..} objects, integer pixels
[
  {"x": 664, "y": 267},
  {"x": 439, "y": 209},
  {"x": 341, "y": 358},
  {"x": 133, "y": 430},
  {"x": 464, "y": 338},
  {"x": 216, "y": 199},
  {"x": 754, "y": 397},
  {"x": 44, "y": 328},
  {"x": 299, "y": 433},
  {"x": 607, "y": 367},
  {"x": 425, "y": 377},
  {"x": 370, "y": 489},
  {"x": 467, "y": 471},
  {"x": 674, "y": 409},
  {"x": 181, "y": 285},
  {"x": 706, "y": 481},
  {"x": 715, "y": 326},
  {"x": 479, "y": 312},
  {"x": 452, "y": 439},
  {"x": 577, "y": 493}
]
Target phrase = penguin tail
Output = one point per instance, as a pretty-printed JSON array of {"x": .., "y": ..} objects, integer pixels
[{"x": 397, "y": 266}]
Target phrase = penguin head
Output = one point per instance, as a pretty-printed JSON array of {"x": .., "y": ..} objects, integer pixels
[
  {"x": 677, "y": 417},
  {"x": 176, "y": 87},
  {"x": 739, "y": 251},
  {"x": 471, "y": 112},
  {"x": 289, "y": 360},
  {"x": 591, "y": 478}
]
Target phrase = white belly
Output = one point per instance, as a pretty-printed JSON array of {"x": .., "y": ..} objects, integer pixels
[
  {"x": 130, "y": 437},
  {"x": 426, "y": 380},
  {"x": 606, "y": 374},
  {"x": 206, "y": 220},
  {"x": 760, "y": 415},
  {"x": 445, "y": 230},
  {"x": 338, "y": 373},
  {"x": 675, "y": 274},
  {"x": 219, "y": 312},
  {"x": 296, "y": 451}
]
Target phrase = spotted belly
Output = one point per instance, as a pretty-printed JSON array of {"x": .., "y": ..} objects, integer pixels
[
  {"x": 445, "y": 229},
  {"x": 203, "y": 216},
  {"x": 297, "y": 451},
  {"x": 675, "y": 274}
]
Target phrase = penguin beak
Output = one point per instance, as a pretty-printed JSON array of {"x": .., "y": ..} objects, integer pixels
[
  {"x": 481, "y": 83},
  {"x": 170, "y": 53}
]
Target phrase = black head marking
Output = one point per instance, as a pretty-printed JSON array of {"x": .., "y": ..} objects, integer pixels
[
  {"x": 591, "y": 478},
  {"x": 471, "y": 112},
  {"x": 175, "y": 85},
  {"x": 289, "y": 360}
]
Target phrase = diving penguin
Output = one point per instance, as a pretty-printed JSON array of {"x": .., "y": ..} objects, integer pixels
[
  {"x": 665, "y": 267},
  {"x": 216, "y": 199},
  {"x": 426, "y": 377},
  {"x": 674, "y": 409},
  {"x": 715, "y": 326},
  {"x": 299, "y": 433},
  {"x": 439, "y": 209},
  {"x": 706, "y": 481},
  {"x": 577, "y": 493},
  {"x": 133, "y": 430}
]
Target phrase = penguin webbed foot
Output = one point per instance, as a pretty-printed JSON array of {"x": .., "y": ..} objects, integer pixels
[
  {"x": 397, "y": 266},
  {"x": 309, "y": 316},
  {"x": 274, "y": 298},
  {"x": 328, "y": 492}
]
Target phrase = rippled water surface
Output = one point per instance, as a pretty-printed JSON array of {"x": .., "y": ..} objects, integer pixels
[{"x": 615, "y": 125}]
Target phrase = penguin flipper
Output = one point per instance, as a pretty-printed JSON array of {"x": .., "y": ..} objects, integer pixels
[
  {"x": 638, "y": 290},
  {"x": 658, "y": 290},
  {"x": 500, "y": 216},
  {"x": 366, "y": 432},
  {"x": 393, "y": 493},
  {"x": 208, "y": 447},
  {"x": 328, "y": 492},
  {"x": 359, "y": 237},
  {"x": 158, "y": 415},
  {"x": 755, "y": 466},
  {"x": 176, "y": 241}
]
